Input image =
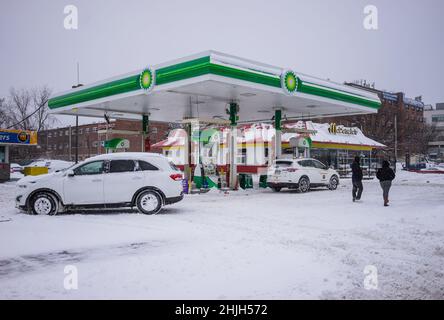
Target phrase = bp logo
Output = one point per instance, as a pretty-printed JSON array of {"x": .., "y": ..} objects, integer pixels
[
  {"x": 23, "y": 136},
  {"x": 289, "y": 82},
  {"x": 146, "y": 79}
]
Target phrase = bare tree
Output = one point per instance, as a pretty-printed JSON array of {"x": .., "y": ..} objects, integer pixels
[
  {"x": 4, "y": 117},
  {"x": 42, "y": 119},
  {"x": 27, "y": 109},
  {"x": 426, "y": 134}
]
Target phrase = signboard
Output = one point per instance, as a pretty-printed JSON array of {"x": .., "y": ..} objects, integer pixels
[
  {"x": 24, "y": 137},
  {"x": 300, "y": 142},
  {"x": 335, "y": 129},
  {"x": 117, "y": 143},
  {"x": 390, "y": 96}
]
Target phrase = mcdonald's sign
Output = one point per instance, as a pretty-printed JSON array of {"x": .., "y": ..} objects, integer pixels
[{"x": 335, "y": 129}]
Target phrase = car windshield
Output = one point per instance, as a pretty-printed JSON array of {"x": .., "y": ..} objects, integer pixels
[{"x": 64, "y": 169}]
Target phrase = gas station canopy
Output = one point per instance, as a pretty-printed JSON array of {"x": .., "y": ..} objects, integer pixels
[{"x": 202, "y": 85}]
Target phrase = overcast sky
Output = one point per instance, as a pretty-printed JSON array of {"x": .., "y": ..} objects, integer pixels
[{"x": 323, "y": 38}]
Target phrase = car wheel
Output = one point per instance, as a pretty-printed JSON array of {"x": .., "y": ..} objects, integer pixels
[
  {"x": 333, "y": 184},
  {"x": 149, "y": 202},
  {"x": 43, "y": 203},
  {"x": 276, "y": 189},
  {"x": 304, "y": 184}
]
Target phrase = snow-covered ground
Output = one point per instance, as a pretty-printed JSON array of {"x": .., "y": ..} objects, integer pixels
[{"x": 248, "y": 244}]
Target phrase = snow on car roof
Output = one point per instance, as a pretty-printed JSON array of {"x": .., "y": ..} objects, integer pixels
[{"x": 126, "y": 155}]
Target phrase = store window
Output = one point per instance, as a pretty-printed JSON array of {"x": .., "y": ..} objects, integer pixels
[
  {"x": 2, "y": 154},
  {"x": 439, "y": 118}
]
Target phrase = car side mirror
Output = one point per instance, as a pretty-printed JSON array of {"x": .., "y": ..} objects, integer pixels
[{"x": 70, "y": 173}]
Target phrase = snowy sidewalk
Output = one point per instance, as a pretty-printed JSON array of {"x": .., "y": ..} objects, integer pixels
[{"x": 248, "y": 244}]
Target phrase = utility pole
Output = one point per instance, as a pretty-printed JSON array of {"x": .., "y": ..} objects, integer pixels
[
  {"x": 70, "y": 143},
  {"x": 77, "y": 117},
  {"x": 396, "y": 140}
]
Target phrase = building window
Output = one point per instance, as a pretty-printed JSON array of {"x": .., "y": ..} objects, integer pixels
[
  {"x": 439, "y": 118},
  {"x": 73, "y": 131},
  {"x": 80, "y": 131},
  {"x": 94, "y": 129},
  {"x": 49, "y": 135},
  {"x": 95, "y": 144},
  {"x": 66, "y": 132},
  {"x": 61, "y": 134},
  {"x": 87, "y": 130}
]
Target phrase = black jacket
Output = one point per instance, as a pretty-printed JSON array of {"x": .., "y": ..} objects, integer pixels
[
  {"x": 356, "y": 171},
  {"x": 385, "y": 174}
]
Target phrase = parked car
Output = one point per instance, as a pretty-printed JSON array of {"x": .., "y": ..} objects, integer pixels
[
  {"x": 301, "y": 174},
  {"x": 147, "y": 181},
  {"x": 52, "y": 165},
  {"x": 16, "y": 168}
]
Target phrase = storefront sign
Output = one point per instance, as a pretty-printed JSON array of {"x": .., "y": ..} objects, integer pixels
[
  {"x": 390, "y": 96},
  {"x": 18, "y": 137},
  {"x": 335, "y": 129},
  {"x": 300, "y": 142},
  {"x": 117, "y": 143}
]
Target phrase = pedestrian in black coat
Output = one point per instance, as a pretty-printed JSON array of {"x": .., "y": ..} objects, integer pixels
[
  {"x": 385, "y": 176},
  {"x": 357, "y": 179}
]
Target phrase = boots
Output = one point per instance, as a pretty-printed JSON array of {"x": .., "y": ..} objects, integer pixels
[{"x": 386, "y": 201}]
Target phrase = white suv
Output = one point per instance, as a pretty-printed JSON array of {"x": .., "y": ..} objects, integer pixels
[
  {"x": 301, "y": 174},
  {"x": 143, "y": 180}
]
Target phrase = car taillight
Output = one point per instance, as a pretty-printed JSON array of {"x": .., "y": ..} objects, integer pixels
[
  {"x": 291, "y": 169},
  {"x": 176, "y": 176}
]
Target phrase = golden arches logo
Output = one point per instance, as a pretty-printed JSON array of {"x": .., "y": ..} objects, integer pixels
[{"x": 332, "y": 129}]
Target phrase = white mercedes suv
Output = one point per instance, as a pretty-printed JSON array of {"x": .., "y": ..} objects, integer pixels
[
  {"x": 301, "y": 174},
  {"x": 147, "y": 181}
]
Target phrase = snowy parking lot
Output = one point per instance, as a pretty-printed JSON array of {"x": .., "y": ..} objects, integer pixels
[{"x": 252, "y": 244}]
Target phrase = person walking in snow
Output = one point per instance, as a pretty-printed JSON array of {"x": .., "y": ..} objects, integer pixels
[
  {"x": 357, "y": 179},
  {"x": 385, "y": 176}
]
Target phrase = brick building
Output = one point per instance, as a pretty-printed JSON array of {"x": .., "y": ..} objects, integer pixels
[
  {"x": 60, "y": 143},
  {"x": 381, "y": 126}
]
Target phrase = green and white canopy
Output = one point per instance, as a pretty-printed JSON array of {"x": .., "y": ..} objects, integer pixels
[{"x": 203, "y": 84}]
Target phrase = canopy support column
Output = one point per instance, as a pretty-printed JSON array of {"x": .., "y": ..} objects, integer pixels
[
  {"x": 278, "y": 130},
  {"x": 234, "y": 109}
]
